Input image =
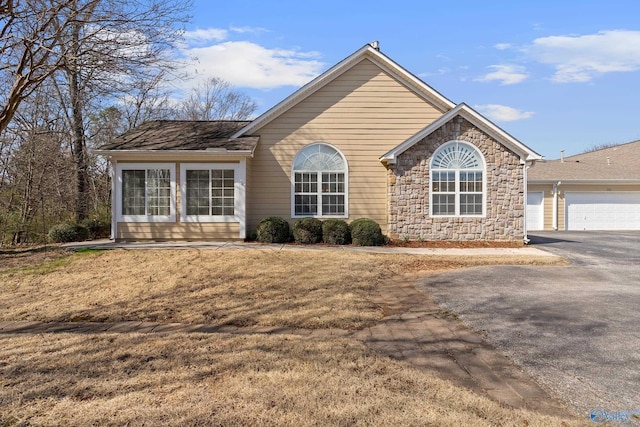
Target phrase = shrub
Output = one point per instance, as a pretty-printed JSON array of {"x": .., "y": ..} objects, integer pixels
[
  {"x": 366, "y": 232},
  {"x": 68, "y": 232},
  {"x": 336, "y": 232},
  {"x": 307, "y": 231},
  {"x": 273, "y": 229},
  {"x": 97, "y": 229}
]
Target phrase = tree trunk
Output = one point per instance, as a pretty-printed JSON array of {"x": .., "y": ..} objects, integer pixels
[{"x": 77, "y": 124}]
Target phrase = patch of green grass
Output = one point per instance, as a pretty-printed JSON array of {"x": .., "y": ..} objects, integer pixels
[
  {"x": 42, "y": 268},
  {"x": 49, "y": 266},
  {"x": 89, "y": 251}
]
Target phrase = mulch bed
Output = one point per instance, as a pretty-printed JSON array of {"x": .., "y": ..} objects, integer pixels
[{"x": 455, "y": 244}]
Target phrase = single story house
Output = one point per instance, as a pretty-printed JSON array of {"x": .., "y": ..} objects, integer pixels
[
  {"x": 597, "y": 190},
  {"x": 364, "y": 139}
]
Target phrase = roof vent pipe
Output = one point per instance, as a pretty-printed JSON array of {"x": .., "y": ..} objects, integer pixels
[
  {"x": 562, "y": 156},
  {"x": 608, "y": 160},
  {"x": 375, "y": 44}
]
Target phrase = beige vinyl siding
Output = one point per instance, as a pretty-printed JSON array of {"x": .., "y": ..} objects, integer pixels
[
  {"x": 548, "y": 208},
  {"x": 134, "y": 231},
  {"x": 364, "y": 113}
]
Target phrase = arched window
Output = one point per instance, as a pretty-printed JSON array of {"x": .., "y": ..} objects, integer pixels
[
  {"x": 457, "y": 180},
  {"x": 319, "y": 179}
]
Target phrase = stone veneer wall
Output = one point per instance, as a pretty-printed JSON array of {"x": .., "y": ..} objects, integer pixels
[{"x": 409, "y": 191}]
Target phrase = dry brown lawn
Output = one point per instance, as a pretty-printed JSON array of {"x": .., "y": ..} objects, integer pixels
[
  {"x": 211, "y": 380},
  {"x": 221, "y": 379},
  {"x": 305, "y": 289}
]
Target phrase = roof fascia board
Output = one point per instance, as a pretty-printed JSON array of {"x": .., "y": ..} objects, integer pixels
[
  {"x": 191, "y": 154},
  {"x": 368, "y": 52},
  {"x": 476, "y": 119},
  {"x": 496, "y": 132},
  {"x": 390, "y": 156},
  {"x": 585, "y": 181},
  {"x": 412, "y": 82},
  {"x": 303, "y": 92}
]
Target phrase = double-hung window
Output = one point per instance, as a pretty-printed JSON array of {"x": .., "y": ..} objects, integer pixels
[
  {"x": 457, "y": 180},
  {"x": 209, "y": 192},
  {"x": 319, "y": 178},
  {"x": 147, "y": 192}
]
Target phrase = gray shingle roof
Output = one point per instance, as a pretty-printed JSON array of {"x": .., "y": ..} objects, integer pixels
[
  {"x": 621, "y": 162},
  {"x": 184, "y": 135}
]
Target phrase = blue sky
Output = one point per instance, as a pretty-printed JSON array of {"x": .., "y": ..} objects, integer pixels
[{"x": 555, "y": 74}]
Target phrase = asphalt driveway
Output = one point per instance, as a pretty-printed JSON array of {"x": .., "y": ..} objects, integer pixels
[{"x": 575, "y": 329}]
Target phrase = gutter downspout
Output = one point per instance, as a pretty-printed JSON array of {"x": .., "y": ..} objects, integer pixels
[
  {"x": 114, "y": 223},
  {"x": 555, "y": 205},
  {"x": 527, "y": 165}
]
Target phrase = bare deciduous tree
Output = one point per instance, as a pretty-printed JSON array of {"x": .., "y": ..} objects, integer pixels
[
  {"x": 147, "y": 99},
  {"x": 95, "y": 48},
  {"x": 602, "y": 146},
  {"x": 30, "y": 48},
  {"x": 216, "y": 99},
  {"x": 110, "y": 45},
  {"x": 37, "y": 171}
]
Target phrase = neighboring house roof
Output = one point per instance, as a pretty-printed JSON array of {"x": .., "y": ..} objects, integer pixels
[
  {"x": 617, "y": 163},
  {"x": 369, "y": 52},
  {"x": 468, "y": 113},
  {"x": 163, "y": 135}
]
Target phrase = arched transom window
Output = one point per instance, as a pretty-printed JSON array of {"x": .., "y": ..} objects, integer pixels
[
  {"x": 319, "y": 182},
  {"x": 457, "y": 180}
]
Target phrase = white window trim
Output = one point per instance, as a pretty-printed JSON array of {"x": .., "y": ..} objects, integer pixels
[
  {"x": 239, "y": 178},
  {"x": 457, "y": 183},
  {"x": 146, "y": 218},
  {"x": 319, "y": 192}
]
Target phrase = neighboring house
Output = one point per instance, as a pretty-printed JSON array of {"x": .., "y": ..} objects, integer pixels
[
  {"x": 364, "y": 139},
  {"x": 598, "y": 190}
]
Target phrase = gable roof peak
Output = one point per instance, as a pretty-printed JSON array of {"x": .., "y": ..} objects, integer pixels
[
  {"x": 475, "y": 118},
  {"x": 370, "y": 51}
]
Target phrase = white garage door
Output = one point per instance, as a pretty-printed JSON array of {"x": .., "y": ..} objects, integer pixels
[
  {"x": 602, "y": 211},
  {"x": 535, "y": 210}
]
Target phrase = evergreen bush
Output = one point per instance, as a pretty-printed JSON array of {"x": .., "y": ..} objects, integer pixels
[
  {"x": 366, "y": 232},
  {"x": 336, "y": 232},
  {"x": 307, "y": 231},
  {"x": 68, "y": 232},
  {"x": 273, "y": 229},
  {"x": 96, "y": 228}
]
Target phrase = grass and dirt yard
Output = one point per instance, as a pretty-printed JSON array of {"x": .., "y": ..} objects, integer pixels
[{"x": 220, "y": 379}]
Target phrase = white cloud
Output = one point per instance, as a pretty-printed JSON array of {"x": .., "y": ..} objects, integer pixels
[
  {"x": 581, "y": 58},
  {"x": 202, "y": 35},
  {"x": 505, "y": 74},
  {"x": 502, "y": 46},
  {"x": 502, "y": 113},
  {"x": 247, "y": 29},
  {"x": 248, "y": 64}
]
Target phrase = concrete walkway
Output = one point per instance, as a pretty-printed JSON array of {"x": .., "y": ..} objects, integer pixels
[
  {"x": 422, "y": 333},
  {"x": 233, "y": 245},
  {"x": 414, "y": 329}
]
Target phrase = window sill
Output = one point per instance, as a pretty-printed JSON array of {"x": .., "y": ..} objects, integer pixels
[
  {"x": 147, "y": 218},
  {"x": 209, "y": 218},
  {"x": 344, "y": 216},
  {"x": 458, "y": 216}
]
